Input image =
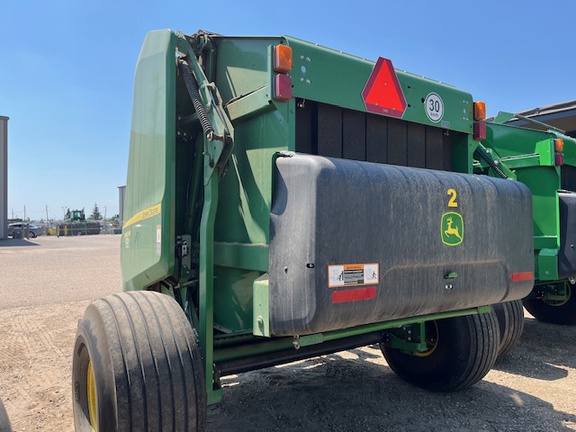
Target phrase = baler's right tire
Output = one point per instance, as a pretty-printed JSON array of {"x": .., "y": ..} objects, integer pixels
[
  {"x": 137, "y": 367},
  {"x": 4, "y": 420},
  {"x": 511, "y": 323},
  {"x": 563, "y": 313},
  {"x": 463, "y": 351}
]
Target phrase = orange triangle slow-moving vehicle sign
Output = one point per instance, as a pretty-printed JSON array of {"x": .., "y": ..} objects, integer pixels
[{"x": 383, "y": 93}]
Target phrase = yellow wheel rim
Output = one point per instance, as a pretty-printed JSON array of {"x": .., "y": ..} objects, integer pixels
[
  {"x": 91, "y": 391},
  {"x": 432, "y": 337}
]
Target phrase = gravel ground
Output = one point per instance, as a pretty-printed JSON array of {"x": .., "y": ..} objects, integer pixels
[{"x": 46, "y": 283}]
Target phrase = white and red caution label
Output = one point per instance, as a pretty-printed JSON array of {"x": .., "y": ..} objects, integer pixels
[{"x": 344, "y": 275}]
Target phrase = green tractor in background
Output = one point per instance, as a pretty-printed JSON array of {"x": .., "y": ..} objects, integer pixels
[{"x": 75, "y": 223}]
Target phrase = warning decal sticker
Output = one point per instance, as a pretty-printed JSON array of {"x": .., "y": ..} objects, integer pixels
[
  {"x": 158, "y": 240},
  {"x": 353, "y": 275}
]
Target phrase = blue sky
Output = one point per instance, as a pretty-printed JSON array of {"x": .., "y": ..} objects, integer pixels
[{"x": 66, "y": 70}]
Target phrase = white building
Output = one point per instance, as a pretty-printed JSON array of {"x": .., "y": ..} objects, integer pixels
[{"x": 3, "y": 177}]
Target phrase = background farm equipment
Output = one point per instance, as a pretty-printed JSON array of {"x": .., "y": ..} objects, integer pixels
[{"x": 75, "y": 223}]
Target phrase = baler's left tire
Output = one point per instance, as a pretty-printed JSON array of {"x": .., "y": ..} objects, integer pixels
[
  {"x": 462, "y": 352},
  {"x": 137, "y": 367}
]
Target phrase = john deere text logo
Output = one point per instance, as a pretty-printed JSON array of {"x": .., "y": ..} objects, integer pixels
[{"x": 452, "y": 227}]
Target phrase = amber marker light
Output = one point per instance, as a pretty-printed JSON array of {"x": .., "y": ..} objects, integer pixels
[
  {"x": 558, "y": 145},
  {"x": 479, "y": 111},
  {"x": 282, "y": 58}
]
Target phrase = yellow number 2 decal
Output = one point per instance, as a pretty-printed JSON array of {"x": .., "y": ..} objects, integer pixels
[{"x": 452, "y": 201}]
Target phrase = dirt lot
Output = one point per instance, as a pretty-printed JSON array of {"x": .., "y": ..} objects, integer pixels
[{"x": 42, "y": 296}]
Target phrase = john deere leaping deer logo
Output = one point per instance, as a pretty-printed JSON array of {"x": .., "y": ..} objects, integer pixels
[{"x": 452, "y": 227}]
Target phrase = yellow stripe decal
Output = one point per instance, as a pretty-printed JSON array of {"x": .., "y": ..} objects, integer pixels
[{"x": 148, "y": 213}]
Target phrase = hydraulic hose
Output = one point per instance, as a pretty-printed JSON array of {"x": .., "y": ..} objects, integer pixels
[
  {"x": 190, "y": 83},
  {"x": 482, "y": 154}
]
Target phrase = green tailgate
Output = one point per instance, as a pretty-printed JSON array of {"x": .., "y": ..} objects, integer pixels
[
  {"x": 147, "y": 235},
  {"x": 337, "y": 78}
]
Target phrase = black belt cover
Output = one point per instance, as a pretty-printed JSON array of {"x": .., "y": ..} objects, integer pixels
[{"x": 354, "y": 243}]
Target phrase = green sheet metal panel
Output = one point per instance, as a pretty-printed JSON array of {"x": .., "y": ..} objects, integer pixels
[
  {"x": 539, "y": 174},
  {"x": 243, "y": 65},
  {"x": 147, "y": 250},
  {"x": 531, "y": 154},
  {"x": 510, "y": 141},
  {"x": 244, "y": 204},
  {"x": 263, "y": 128},
  {"x": 333, "y": 77}
]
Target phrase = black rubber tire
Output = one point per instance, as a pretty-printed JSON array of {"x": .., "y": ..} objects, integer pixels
[
  {"x": 564, "y": 314},
  {"x": 32, "y": 235},
  {"x": 146, "y": 366},
  {"x": 465, "y": 352},
  {"x": 511, "y": 323},
  {"x": 4, "y": 420}
]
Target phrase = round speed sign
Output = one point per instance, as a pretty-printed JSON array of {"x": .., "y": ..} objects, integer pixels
[{"x": 434, "y": 107}]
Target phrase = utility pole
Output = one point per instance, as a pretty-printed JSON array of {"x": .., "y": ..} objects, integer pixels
[{"x": 46, "y": 214}]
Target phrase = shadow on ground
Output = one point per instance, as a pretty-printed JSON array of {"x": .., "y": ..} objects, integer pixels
[
  {"x": 336, "y": 394},
  {"x": 543, "y": 352},
  {"x": 10, "y": 242}
]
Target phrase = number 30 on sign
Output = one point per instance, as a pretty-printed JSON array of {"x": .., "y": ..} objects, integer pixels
[{"x": 434, "y": 106}]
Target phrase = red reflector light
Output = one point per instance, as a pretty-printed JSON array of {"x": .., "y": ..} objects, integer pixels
[
  {"x": 479, "y": 110},
  {"x": 479, "y": 131},
  {"x": 351, "y": 295},
  {"x": 282, "y": 88},
  {"x": 558, "y": 159},
  {"x": 522, "y": 276},
  {"x": 282, "y": 58}
]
